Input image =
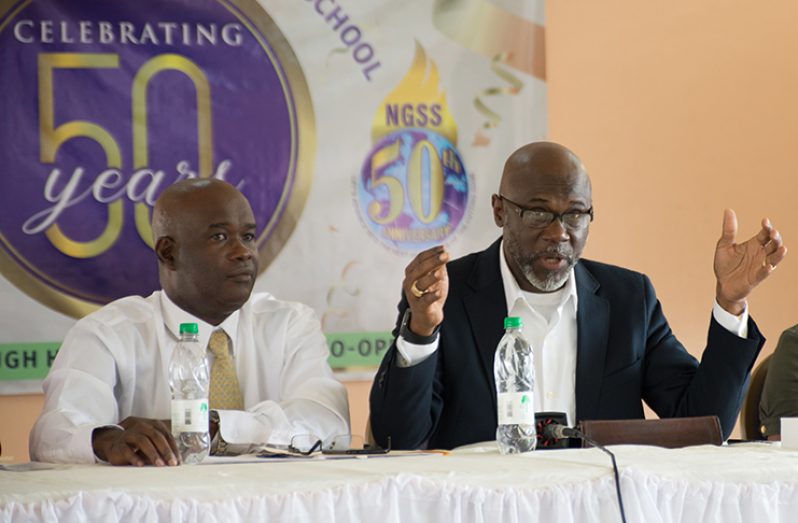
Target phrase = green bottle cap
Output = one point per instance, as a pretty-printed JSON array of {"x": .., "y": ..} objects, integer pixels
[
  {"x": 513, "y": 322},
  {"x": 188, "y": 328}
]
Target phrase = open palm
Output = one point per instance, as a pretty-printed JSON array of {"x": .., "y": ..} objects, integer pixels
[{"x": 739, "y": 267}]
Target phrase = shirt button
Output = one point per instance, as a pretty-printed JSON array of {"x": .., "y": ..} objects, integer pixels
[{"x": 549, "y": 395}]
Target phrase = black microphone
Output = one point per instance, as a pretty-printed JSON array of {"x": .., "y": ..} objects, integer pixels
[
  {"x": 545, "y": 441},
  {"x": 556, "y": 431}
]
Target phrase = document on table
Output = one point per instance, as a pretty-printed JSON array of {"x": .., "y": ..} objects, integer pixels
[{"x": 280, "y": 455}]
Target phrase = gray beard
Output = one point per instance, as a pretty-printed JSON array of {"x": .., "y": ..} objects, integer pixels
[{"x": 551, "y": 283}]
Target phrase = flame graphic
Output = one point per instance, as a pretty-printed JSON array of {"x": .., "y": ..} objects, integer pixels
[{"x": 417, "y": 101}]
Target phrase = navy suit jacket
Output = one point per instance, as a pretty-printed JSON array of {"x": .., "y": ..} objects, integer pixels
[{"x": 626, "y": 354}]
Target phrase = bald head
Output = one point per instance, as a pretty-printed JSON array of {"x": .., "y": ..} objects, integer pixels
[
  {"x": 206, "y": 243},
  {"x": 179, "y": 201},
  {"x": 542, "y": 164},
  {"x": 544, "y": 207}
]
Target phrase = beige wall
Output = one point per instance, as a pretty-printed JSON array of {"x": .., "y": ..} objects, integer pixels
[
  {"x": 678, "y": 109},
  {"x": 18, "y": 414}
]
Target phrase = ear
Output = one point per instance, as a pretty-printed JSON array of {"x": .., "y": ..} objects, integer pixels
[
  {"x": 166, "y": 249},
  {"x": 498, "y": 210}
]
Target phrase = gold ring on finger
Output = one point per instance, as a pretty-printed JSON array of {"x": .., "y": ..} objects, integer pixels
[{"x": 418, "y": 293}]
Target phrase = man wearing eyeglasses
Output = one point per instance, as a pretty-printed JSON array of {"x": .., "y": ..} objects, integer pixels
[{"x": 601, "y": 342}]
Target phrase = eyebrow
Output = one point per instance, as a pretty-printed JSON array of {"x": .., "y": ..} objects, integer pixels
[
  {"x": 542, "y": 201},
  {"x": 225, "y": 225}
]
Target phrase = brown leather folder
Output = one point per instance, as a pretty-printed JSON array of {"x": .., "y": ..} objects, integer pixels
[{"x": 670, "y": 433}]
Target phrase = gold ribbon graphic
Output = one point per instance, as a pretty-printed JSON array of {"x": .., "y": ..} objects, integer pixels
[
  {"x": 507, "y": 39},
  {"x": 491, "y": 31}
]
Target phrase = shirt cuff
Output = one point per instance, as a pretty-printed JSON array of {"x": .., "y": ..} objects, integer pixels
[
  {"x": 735, "y": 324},
  {"x": 85, "y": 433},
  {"x": 412, "y": 353}
]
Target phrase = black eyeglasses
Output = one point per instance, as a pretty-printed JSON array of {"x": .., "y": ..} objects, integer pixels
[
  {"x": 304, "y": 444},
  {"x": 537, "y": 219},
  {"x": 308, "y": 444}
]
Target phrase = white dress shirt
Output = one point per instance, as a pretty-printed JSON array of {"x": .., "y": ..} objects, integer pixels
[
  {"x": 114, "y": 364},
  {"x": 550, "y": 327}
]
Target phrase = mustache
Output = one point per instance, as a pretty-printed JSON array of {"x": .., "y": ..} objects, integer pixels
[{"x": 561, "y": 251}]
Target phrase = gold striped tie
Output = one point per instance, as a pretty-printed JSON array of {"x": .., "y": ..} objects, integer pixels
[{"x": 225, "y": 392}]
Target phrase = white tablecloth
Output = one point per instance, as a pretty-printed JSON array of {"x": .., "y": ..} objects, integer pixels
[{"x": 738, "y": 483}]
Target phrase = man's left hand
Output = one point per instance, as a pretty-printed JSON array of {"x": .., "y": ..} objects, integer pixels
[{"x": 739, "y": 267}]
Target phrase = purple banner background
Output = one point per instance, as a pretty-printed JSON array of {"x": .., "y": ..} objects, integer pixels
[{"x": 251, "y": 125}]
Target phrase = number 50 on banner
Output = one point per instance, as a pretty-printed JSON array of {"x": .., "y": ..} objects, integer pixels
[
  {"x": 413, "y": 190},
  {"x": 110, "y": 186}
]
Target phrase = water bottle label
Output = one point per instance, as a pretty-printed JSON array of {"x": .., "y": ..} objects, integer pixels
[
  {"x": 516, "y": 408},
  {"x": 189, "y": 416}
]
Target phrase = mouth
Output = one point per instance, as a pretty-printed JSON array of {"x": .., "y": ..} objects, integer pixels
[
  {"x": 242, "y": 277},
  {"x": 554, "y": 261}
]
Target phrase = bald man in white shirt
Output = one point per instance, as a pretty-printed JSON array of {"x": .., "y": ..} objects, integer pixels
[{"x": 107, "y": 396}]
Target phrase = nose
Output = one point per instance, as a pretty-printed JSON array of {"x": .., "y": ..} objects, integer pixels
[
  {"x": 242, "y": 250},
  {"x": 556, "y": 232}
]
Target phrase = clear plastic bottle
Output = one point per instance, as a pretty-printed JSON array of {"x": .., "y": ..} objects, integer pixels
[
  {"x": 514, "y": 371},
  {"x": 189, "y": 380}
]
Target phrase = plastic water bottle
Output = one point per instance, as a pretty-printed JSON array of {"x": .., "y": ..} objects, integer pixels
[
  {"x": 189, "y": 380},
  {"x": 514, "y": 371}
]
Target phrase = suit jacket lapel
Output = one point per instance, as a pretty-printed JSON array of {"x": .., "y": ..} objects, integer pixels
[
  {"x": 592, "y": 326},
  {"x": 486, "y": 309}
]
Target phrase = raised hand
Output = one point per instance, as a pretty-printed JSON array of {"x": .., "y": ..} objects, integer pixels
[
  {"x": 140, "y": 442},
  {"x": 426, "y": 286},
  {"x": 739, "y": 267}
]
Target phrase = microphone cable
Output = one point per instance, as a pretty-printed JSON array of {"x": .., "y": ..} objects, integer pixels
[{"x": 556, "y": 431}]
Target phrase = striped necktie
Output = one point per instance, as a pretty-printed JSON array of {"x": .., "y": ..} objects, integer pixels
[{"x": 225, "y": 392}]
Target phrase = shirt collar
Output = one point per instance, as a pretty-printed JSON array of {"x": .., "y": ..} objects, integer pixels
[
  {"x": 512, "y": 291},
  {"x": 173, "y": 316}
]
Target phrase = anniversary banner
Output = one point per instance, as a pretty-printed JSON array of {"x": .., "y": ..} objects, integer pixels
[{"x": 361, "y": 131}]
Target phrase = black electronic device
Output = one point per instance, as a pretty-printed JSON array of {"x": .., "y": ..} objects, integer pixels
[{"x": 545, "y": 440}]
